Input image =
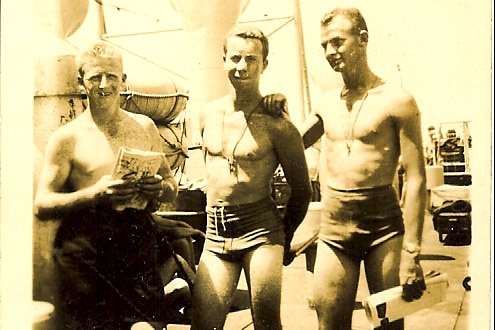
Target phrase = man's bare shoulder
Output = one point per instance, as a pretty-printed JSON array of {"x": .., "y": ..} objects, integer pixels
[
  {"x": 73, "y": 127},
  {"x": 328, "y": 99},
  {"x": 139, "y": 118},
  {"x": 65, "y": 136},
  {"x": 401, "y": 100},
  {"x": 395, "y": 91},
  {"x": 214, "y": 108},
  {"x": 279, "y": 127}
]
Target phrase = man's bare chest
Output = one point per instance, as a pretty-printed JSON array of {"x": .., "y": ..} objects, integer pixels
[
  {"x": 95, "y": 151},
  {"x": 248, "y": 139},
  {"x": 366, "y": 120}
]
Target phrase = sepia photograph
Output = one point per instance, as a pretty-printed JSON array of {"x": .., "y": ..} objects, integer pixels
[{"x": 246, "y": 164}]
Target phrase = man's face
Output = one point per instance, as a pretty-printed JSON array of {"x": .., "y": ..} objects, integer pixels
[
  {"x": 340, "y": 45},
  {"x": 103, "y": 80},
  {"x": 244, "y": 61}
]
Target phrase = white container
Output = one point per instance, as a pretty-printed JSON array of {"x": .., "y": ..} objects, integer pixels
[
  {"x": 387, "y": 306},
  {"x": 42, "y": 312}
]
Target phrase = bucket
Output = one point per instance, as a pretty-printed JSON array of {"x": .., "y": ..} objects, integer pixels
[
  {"x": 42, "y": 315},
  {"x": 307, "y": 232},
  {"x": 434, "y": 177}
]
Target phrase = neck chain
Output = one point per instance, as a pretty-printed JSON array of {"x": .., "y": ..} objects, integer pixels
[
  {"x": 231, "y": 158},
  {"x": 350, "y": 141}
]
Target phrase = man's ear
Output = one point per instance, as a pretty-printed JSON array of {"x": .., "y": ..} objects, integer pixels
[
  {"x": 80, "y": 82},
  {"x": 265, "y": 64},
  {"x": 363, "y": 35},
  {"x": 123, "y": 86}
]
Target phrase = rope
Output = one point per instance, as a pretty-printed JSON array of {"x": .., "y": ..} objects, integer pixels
[
  {"x": 130, "y": 94},
  {"x": 131, "y": 11}
]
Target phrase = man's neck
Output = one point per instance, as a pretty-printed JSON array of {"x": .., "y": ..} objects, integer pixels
[
  {"x": 245, "y": 100},
  {"x": 105, "y": 117},
  {"x": 358, "y": 83}
]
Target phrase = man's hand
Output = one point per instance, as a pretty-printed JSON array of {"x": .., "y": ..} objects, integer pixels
[
  {"x": 289, "y": 255},
  {"x": 115, "y": 191},
  {"x": 150, "y": 186},
  {"x": 176, "y": 229},
  {"x": 411, "y": 275},
  {"x": 275, "y": 105}
]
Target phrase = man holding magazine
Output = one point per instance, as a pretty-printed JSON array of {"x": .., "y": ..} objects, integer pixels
[{"x": 105, "y": 254}]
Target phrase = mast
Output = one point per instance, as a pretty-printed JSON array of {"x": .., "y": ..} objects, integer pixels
[{"x": 303, "y": 69}]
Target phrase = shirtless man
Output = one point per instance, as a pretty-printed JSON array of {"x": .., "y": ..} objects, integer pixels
[
  {"x": 431, "y": 147},
  {"x": 366, "y": 126},
  {"x": 242, "y": 148},
  {"x": 105, "y": 259}
]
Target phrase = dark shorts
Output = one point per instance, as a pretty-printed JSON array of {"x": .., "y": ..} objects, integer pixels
[
  {"x": 107, "y": 270},
  {"x": 355, "y": 221},
  {"x": 233, "y": 230}
]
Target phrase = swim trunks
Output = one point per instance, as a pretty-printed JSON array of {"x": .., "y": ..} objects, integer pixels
[
  {"x": 107, "y": 268},
  {"x": 233, "y": 230},
  {"x": 355, "y": 221}
]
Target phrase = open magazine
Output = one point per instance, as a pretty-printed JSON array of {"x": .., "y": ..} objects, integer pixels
[{"x": 134, "y": 164}]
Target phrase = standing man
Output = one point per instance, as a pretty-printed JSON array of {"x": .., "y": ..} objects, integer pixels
[
  {"x": 432, "y": 146},
  {"x": 366, "y": 126},
  {"x": 242, "y": 148},
  {"x": 106, "y": 259}
]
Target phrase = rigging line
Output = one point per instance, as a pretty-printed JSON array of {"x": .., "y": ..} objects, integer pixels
[
  {"x": 145, "y": 58},
  {"x": 137, "y": 34},
  {"x": 280, "y": 27},
  {"x": 266, "y": 19},
  {"x": 262, "y": 20},
  {"x": 131, "y": 11}
]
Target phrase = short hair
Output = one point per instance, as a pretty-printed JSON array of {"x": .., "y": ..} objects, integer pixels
[
  {"x": 248, "y": 32},
  {"x": 353, "y": 14},
  {"x": 99, "y": 49}
]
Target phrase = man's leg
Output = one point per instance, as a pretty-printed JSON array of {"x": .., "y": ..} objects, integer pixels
[
  {"x": 310, "y": 256},
  {"x": 263, "y": 269},
  {"x": 335, "y": 285},
  {"x": 382, "y": 270},
  {"x": 216, "y": 281},
  {"x": 77, "y": 282}
]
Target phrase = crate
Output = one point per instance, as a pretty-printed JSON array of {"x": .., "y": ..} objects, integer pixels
[
  {"x": 454, "y": 167},
  {"x": 457, "y": 178},
  {"x": 454, "y": 228}
]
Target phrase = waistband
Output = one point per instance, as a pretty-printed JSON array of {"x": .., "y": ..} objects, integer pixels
[
  {"x": 221, "y": 209},
  {"x": 362, "y": 190},
  {"x": 233, "y": 214}
]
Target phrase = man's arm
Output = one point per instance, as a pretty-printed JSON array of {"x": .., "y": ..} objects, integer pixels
[
  {"x": 415, "y": 196},
  {"x": 312, "y": 130},
  {"x": 290, "y": 151},
  {"x": 53, "y": 199},
  {"x": 276, "y": 105}
]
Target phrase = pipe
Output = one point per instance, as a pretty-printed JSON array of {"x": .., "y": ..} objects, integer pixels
[{"x": 302, "y": 60}]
